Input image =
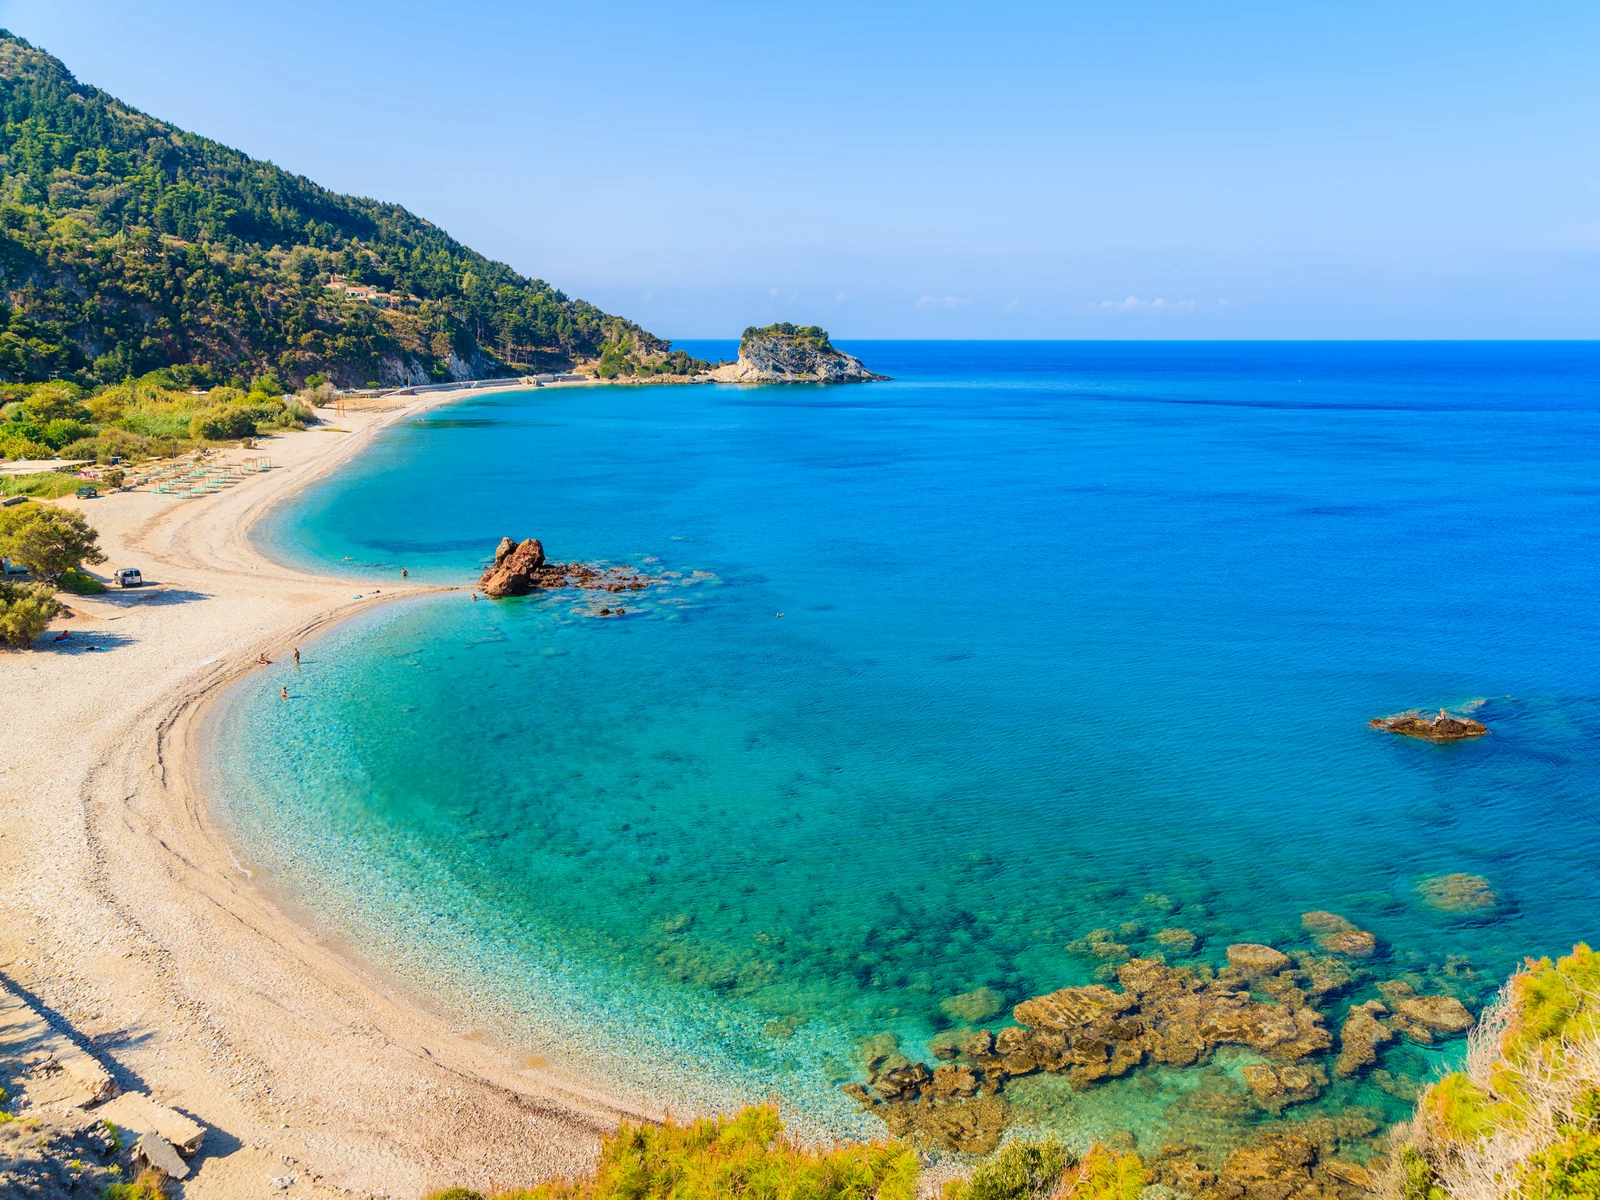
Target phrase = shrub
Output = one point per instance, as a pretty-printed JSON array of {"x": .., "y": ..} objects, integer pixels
[
  {"x": 745, "y": 1155},
  {"x": 80, "y": 583},
  {"x": 49, "y": 541},
  {"x": 62, "y": 430},
  {"x": 56, "y": 401},
  {"x": 1105, "y": 1175},
  {"x": 25, "y": 612},
  {"x": 151, "y": 1185},
  {"x": 50, "y": 484},
  {"x": 1020, "y": 1171},
  {"x": 225, "y": 422}
]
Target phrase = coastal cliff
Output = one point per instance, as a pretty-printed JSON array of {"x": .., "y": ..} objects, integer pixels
[{"x": 787, "y": 353}]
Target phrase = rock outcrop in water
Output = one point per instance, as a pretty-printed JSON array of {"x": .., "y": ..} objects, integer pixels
[
  {"x": 1443, "y": 728},
  {"x": 1264, "y": 1002},
  {"x": 520, "y": 568},
  {"x": 791, "y": 354}
]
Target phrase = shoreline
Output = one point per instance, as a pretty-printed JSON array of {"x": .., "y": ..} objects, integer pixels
[{"x": 128, "y": 914}]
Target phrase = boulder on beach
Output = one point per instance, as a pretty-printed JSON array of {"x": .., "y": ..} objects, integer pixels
[{"x": 1443, "y": 728}]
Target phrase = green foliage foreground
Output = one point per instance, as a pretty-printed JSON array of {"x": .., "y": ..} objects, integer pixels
[
  {"x": 1522, "y": 1120},
  {"x": 748, "y": 1156}
]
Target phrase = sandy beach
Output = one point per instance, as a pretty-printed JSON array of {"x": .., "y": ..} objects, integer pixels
[{"x": 128, "y": 918}]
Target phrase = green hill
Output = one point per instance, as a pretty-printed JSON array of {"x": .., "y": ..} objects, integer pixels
[{"x": 127, "y": 245}]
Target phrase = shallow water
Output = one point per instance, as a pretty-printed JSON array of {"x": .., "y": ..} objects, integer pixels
[{"x": 1072, "y": 636}]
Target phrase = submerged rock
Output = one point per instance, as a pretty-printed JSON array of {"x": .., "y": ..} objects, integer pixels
[
  {"x": 787, "y": 353},
  {"x": 1360, "y": 1038},
  {"x": 1458, "y": 893},
  {"x": 1277, "y": 1086},
  {"x": 1354, "y": 943},
  {"x": 1422, "y": 1017},
  {"x": 1443, "y": 728},
  {"x": 1257, "y": 959},
  {"x": 973, "y": 1007}
]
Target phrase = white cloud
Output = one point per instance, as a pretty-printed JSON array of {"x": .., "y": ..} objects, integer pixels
[
  {"x": 840, "y": 298},
  {"x": 1158, "y": 305},
  {"x": 774, "y": 292},
  {"x": 648, "y": 296},
  {"x": 1011, "y": 305},
  {"x": 943, "y": 302}
]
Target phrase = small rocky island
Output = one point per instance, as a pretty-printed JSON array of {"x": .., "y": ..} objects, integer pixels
[
  {"x": 1443, "y": 728},
  {"x": 786, "y": 353},
  {"x": 520, "y": 568}
]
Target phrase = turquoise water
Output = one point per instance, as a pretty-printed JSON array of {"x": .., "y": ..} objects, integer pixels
[{"x": 946, "y": 673}]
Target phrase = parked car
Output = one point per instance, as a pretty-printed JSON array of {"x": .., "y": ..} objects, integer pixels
[
  {"x": 88, "y": 492},
  {"x": 129, "y": 577},
  {"x": 9, "y": 568}
]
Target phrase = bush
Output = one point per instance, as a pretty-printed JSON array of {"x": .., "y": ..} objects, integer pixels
[
  {"x": 50, "y": 485},
  {"x": 49, "y": 541},
  {"x": 1020, "y": 1171},
  {"x": 61, "y": 431},
  {"x": 81, "y": 583},
  {"x": 225, "y": 422},
  {"x": 746, "y": 1155},
  {"x": 25, "y": 612},
  {"x": 151, "y": 1185}
]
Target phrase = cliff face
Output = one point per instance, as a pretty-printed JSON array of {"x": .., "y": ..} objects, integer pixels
[{"x": 782, "y": 358}]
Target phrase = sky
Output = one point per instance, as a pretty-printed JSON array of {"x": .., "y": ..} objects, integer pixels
[{"x": 887, "y": 170}]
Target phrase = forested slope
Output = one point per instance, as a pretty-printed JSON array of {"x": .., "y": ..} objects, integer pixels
[{"x": 127, "y": 245}]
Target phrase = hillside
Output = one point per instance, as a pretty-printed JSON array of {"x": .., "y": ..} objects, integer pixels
[{"x": 129, "y": 245}]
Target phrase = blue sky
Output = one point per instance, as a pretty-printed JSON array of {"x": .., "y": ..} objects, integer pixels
[{"x": 893, "y": 170}]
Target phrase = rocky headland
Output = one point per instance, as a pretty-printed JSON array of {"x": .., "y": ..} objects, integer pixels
[
  {"x": 521, "y": 567},
  {"x": 786, "y": 353},
  {"x": 1443, "y": 728}
]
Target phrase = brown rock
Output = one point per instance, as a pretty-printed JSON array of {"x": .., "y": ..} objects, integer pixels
[
  {"x": 1256, "y": 959},
  {"x": 973, "y": 1007},
  {"x": 1442, "y": 728},
  {"x": 1344, "y": 1171},
  {"x": 1355, "y": 943},
  {"x": 1421, "y": 1017},
  {"x": 1458, "y": 893},
  {"x": 1322, "y": 921},
  {"x": 1360, "y": 1038},
  {"x": 951, "y": 1081},
  {"x": 1177, "y": 941},
  {"x": 514, "y": 571},
  {"x": 1277, "y": 1086}
]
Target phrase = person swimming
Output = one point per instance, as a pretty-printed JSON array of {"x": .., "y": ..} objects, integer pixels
[{"x": 284, "y": 692}]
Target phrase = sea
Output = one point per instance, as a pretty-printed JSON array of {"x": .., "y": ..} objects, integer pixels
[{"x": 949, "y": 691}]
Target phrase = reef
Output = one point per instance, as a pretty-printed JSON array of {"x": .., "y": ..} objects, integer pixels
[
  {"x": 520, "y": 568},
  {"x": 1271, "y": 1008},
  {"x": 1443, "y": 728}
]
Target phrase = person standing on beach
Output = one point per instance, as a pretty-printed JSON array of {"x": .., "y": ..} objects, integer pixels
[{"x": 297, "y": 658}]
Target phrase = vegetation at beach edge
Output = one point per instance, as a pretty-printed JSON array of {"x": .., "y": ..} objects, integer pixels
[
  {"x": 128, "y": 245},
  {"x": 748, "y": 1155}
]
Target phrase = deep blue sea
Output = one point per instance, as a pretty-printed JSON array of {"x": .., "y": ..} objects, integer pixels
[{"x": 944, "y": 674}]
